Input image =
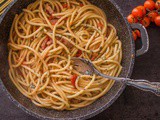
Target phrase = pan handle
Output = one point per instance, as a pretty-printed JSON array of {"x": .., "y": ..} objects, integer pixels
[{"x": 144, "y": 38}]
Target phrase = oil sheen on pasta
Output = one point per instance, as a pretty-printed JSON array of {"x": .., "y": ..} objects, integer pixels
[{"x": 44, "y": 38}]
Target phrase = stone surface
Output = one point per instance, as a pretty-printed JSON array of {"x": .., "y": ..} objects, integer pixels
[{"x": 133, "y": 104}]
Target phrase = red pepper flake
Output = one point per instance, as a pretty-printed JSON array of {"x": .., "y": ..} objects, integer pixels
[{"x": 73, "y": 80}]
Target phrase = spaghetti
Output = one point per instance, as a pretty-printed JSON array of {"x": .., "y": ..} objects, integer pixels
[{"x": 44, "y": 38}]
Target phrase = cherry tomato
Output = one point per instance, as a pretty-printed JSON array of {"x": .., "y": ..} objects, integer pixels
[
  {"x": 157, "y": 5},
  {"x": 131, "y": 19},
  {"x": 134, "y": 35},
  {"x": 145, "y": 21},
  {"x": 152, "y": 15},
  {"x": 143, "y": 9},
  {"x": 73, "y": 80},
  {"x": 149, "y": 5},
  {"x": 138, "y": 33},
  {"x": 137, "y": 13},
  {"x": 157, "y": 20}
]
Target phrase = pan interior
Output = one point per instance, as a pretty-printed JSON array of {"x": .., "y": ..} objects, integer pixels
[{"x": 114, "y": 17}]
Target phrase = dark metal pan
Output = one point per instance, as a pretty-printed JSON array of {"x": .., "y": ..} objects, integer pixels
[{"x": 115, "y": 17}]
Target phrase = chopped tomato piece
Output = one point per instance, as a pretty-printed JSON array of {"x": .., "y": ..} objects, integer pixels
[
  {"x": 54, "y": 21},
  {"x": 65, "y": 5},
  {"x": 79, "y": 53},
  {"x": 100, "y": 25},
  {"x": 66, "y": 43},
  {"x": 73, "y": 80},
  {"x": 58, "y": 38},
  {"x": 59, "y": 16},
  {"x": 49, "y": 9},
  {"x": 46, "y": 56},
  {"x": 65, "y": 18},
  {"x": 81, "y": 4},
  {"x": 50, "y": 42},
  {"x": 94, "y": 56},
  {"x": 50, "y": 17},
  {"x": 44, "y": 43},
  {"x": 37, "y": 28}
]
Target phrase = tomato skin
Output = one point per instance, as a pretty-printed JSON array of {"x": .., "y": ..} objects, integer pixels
[
  {"x": 134, "y": 35},
  {"x": 145, "y": 21},
  {"x": 138, "y": 33},
  {"x": 73, "y": 80},
  {"x": 157, "y": 5},
  {"x": 143, "y": 9},
  {"x": 157, "y": 20},
  {"x": 137, "y": 13},
  {"x": 131, "y": 19},
  {"x": 150, "y": 5},
  {"x": 152, "y": 15}
]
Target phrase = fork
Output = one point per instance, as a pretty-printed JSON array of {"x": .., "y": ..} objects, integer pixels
[{"x": 86, "y": 67}]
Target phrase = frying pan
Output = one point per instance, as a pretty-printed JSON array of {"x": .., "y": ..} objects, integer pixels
[{"x": 115, "y": 17}]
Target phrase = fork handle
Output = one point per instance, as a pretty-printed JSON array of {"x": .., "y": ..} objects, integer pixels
[{"x": 145, "y": 85}]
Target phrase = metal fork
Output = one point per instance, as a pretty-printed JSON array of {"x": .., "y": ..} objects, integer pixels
[{"x": 86, "y": 67}]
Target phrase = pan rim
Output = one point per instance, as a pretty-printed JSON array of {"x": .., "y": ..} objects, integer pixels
[{"x": 98, "y": 110}]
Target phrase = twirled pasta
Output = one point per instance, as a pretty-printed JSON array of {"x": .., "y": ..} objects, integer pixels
[{"x": 44, "y": 38}]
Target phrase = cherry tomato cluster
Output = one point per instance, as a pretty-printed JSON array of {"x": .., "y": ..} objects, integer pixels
[{"x": 149, "y": 12}]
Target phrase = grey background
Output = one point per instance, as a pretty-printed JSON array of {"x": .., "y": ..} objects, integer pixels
[{"x": 133, "y": 104}]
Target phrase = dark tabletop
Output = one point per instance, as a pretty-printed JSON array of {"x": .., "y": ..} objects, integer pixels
[{"x": 133, "y": 104}]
